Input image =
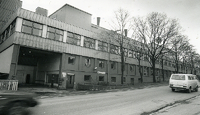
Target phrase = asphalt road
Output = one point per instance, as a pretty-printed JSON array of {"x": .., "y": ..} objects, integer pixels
[{"x": 131, "y": 102}]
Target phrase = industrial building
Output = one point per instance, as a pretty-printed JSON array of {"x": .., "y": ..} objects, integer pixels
[{"x": 63, "y": 47}]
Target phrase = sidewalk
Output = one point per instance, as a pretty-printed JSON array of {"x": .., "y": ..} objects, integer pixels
[{"x": 46, "y": 92}]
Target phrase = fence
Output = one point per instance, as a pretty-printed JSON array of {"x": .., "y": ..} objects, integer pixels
[{"x": 8, "y": 84}]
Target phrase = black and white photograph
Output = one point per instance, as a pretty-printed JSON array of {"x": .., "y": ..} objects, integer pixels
[{"x": 99, "y": 57}]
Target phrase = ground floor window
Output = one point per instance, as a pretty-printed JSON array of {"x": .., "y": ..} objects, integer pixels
[
  {"x": 113, "y": 79},
  {"x": 87, "y": 77},
  {"x": 101, "y": 78}
]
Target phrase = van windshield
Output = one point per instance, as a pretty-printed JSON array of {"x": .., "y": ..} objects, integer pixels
[{"x": 178, "y": 77}]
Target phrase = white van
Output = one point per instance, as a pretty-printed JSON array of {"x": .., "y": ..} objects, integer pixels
[{"x": 186, "y": 82}]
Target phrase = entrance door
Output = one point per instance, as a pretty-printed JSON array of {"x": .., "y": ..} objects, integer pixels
[
  {"x": 70, "y": 81},
  {"x": 132, "y": 81},
  {"x": 28, "y": 77}
]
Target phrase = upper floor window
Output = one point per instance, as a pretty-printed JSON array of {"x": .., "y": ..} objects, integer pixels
[
  {"x": 71, "y": 59},
  {"x": 130, "y": 53},
  {"x": 8, "y": 32},
  {"x": 33, "y": 28},
  {"x": 101, "y": 64},
  {"x": 114, "y": 49},
  {"x": 55, "y": 34},
  {"x": 89, "y": 43},
  {"x": 132, "y": 67},
  {"x": 102, "y": 46},
  {"x": 125, "y": 52},
  {"x": 1, "y": 38},
  {"x": 12, "y": 27},
  {"x": 113, "y": 65},
  {"x": 87, "y": 62},
  {"x": 73, "y": 38}
]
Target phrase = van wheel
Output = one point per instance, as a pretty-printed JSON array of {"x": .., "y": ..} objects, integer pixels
[
  {"x": 196, "y": 89},
  {"x": 189, "y": 90},
  {"x": 173, "y": 89}
]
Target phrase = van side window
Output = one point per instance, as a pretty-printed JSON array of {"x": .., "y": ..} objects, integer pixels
[{"x": 189, "y": 78}]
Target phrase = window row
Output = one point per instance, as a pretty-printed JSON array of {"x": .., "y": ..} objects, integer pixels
[
  {"x": 101, "y": 63},
  {"x": 102, "y": 78},
  {"x": 8, "y": 32}
]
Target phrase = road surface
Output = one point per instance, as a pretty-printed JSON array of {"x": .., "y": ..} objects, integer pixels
[{"x": 131, "y": 102}]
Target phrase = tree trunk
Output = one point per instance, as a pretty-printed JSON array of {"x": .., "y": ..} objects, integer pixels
[
  {"x": 163, "y": 71},
  {"x": 141, "y": 73},
  {"x": 153, "y": 67},
  {"x": 122, "y": 65}
]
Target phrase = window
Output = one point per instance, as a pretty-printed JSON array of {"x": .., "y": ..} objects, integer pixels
[
  {"x": 31, "y": 28},
  {"x": 55, "y": 34},
  {"x": 8, "y": 32},
  {"x": 145, "y": 71},
  {"x": 102, "y": 46},
  {"x": 134, "y": 54},
  {"x": 73, "y": 38},
  {"x": 125, "y": 52},
  {"x": 146, "y": 58},
  {"x": 71, "y": 59},
  {"x": 130, "y": 53},
  {"x": 89, "y": 43},
  {"x": 12, "y": 27},
  {"x": 113, "y": 65},
  {"x": 114, "y": 49},
  {"x": 101, "y": 64},
  {"x": 87, "y": 77},
  {"x": 124, "y": 79},
  {"x": 101, "y": 78},
  {"x": 132, "y": 67},
  {"x": 87, "y": 62},
  {"x": 113, "y": 79},
  {"x": 1, "y": 39},
  {"x": 178, "y": 77}
]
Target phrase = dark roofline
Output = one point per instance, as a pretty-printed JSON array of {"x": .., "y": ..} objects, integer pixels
[{"x": 72, "y": 7}]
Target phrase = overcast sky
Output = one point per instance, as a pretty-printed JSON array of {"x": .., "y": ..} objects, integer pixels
[{"x": 186, "y": 11}]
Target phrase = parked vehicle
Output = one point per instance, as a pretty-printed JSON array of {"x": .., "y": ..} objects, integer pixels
[
  {"x": 188, "y": 82},
  {"x": 16, "y": 103}
]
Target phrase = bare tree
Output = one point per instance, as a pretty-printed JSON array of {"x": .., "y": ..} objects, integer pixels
[
  {"x": 119, "y": 26},
  {"x": 156, "y": 32},
  {"x": 180, "y": 46},
  {"x": 117, "y": 36},
  {"x": 139, "y": 54},
  {"x": 193, "y": 59}
]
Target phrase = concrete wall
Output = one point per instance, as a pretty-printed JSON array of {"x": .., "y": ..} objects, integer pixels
[
  {"x": 73, "y": 16},
  {"x": 22, "y": 72},
  {"x": 5, "y": 60}
]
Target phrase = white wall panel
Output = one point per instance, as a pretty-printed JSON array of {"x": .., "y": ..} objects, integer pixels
[{"x": 5, "y": 60}]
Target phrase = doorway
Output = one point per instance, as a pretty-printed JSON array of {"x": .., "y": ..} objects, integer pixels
[
  {"x": 132, "y": 81},
  {"x": 70, "y": 81},
  {"x": 28, "y": 77}
]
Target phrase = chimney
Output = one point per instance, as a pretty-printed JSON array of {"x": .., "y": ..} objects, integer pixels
[
  {"x": 98, "y": 20},
  {"x": 125, "y": 31},
  {"x": 41, "y": 11}
]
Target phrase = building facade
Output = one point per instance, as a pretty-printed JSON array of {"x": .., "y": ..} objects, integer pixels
[{"x": 65, "y": 48}]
